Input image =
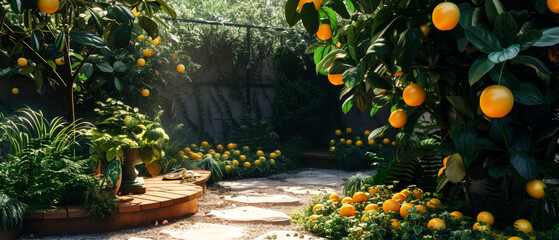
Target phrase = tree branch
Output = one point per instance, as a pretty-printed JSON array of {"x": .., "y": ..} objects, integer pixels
[{"x": 76, "y": 74}]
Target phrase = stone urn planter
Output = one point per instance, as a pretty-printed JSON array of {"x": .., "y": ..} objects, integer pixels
[{"x": 131, "y": 183}]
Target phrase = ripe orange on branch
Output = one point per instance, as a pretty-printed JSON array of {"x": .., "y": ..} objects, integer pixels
[
  {"x": 48, "y": 6},
  {"x": 446, "y": 16},
  {"x": 553, "y": 5},
  {"x": 398, "y": 118},
  {"x": 303, "y": 2},
  {"x": 336, "y": 79},
  {"x": 324, "y": 31},
  {"x": 414, "y": 95},
  {"x": 496, "y": 101},
  {"x": 535, "y": 189}
]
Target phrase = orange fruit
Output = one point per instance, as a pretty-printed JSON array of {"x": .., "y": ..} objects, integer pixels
[
  {"x": 446, "y": 16},
  {"x": 22, "y": 62},
  {"x": 247, "y": 164},
  {"x": 420, "y": 209},
  {"x": 324, "y": 31},
  {"x": 398, "y": 118},
  {"x": 366, "y": 133},
  {"x": 338, "y": 132},
  {"x": 317, "y": 207},
  {"x": 257, "y": 162},
  {"x": 373, "y": 190},
  {"x": 425, "y": 29},
  {"x": 400, "y": 197},
  {"x": 514, "y": 238},
  {"x": 414, "y": 95},
  {"x": 48, "y": 6},
  {"x": 394, "y": 143},
  {"x": 359, "y": 197},
  {"x": 349, "y": 142},
  {"x": 180, "y": 68},
  {"x": 147, "y": 52},
  {"x": 484, "y": 228},
  {"x": 336, "y": 79},
  {"x": 391, "y": 205},
  {"x": 347, "y": 200},
  {"x": 332, "y": 149},
  {"x": 381, "y": 135},
  {"x": 371, "y": 207},
  {"x": 496, "y": 101},
  {"x": 417, "y": 193},
  {"x": 235, "y": 163},
  {"x": 523, "y": 225},
  {"x": 486, "y": 217},
  {"x": 273, "y": 155},
  {"x": 434, "y": 203},
  {"x": 181, "y": 153},
  {"x": 456, "y": 215},
  {"x": 154, "y": 42},
  {"x": 59, "y": 61},
  {"x": 193, "y": 145},
  {"x": 371, "y": 142},
  {"x": 347, "y": 210},
  {"x": 186, "y": 150},
  {"x": 141, "y": 62},
  {"x": 278, "y": 152},
  {"x": 243, "y": 158},
  {"x": 553, "y": 5},
  {"x": 348, "y": 130},
  {"x": 228, "y": 168},
  {"x": 141, "y": 37},
  {"x": 303, "y": 2},
  {"x": 342, "y": 141},
  {"x": 259, "y": 153},
  {"x": 154, "y": 168},
  {"x": 394, "y": 223},
  {"x": 436, "y": 224},
  {"x": 359, "y": 143},
  {"x": 441, "y": 171},
  {"x": 15, "y": 91},
  {"x": 230, "y": 146},
  {"x": 219, "y": 147},
  {"x": 404, "y": 209},
  {"x": 313, "y": 217},
  {"x": 445, "y": 160},
  {"x": 386, "y": 141},
  {"x": 382, "y": 91},
  {"x": 145, "y": 92},
  {"x": 205, "y": 144},
  {"x": 334, "y": 197},
  {"x": 406, "y": 192},
  {"x": 535, "y": 189}
]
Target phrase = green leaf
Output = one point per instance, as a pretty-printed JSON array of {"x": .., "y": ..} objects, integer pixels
[
  {"x": 375, "y": 133},
  {"x": 349, "y": 5},
  {"x": 408, "y": 46},
  {"x": 118, "y": 87},
  {"x": 528, "y": 94},
  {"x": 455, "y": 169},
  {"x": 351, "y": 42},
  {"x": 122, "y": 14},
  {"x": 441, "y": 182},
  {"x": 368, "y": 6},
  {"x": 339, "y": 7},
  {"x": 16, "y": 6},
  {"x": 35, "y": 39},
  {"x": 375, "y": 109},
  {"x": 87, "y": 39},
  {"x": 463, "y": 137},
  {"x": 493, "y": 9},
  {"x": 38, "y": 77},
  {"x": 498, "y": 171},
  {"x": 60, "y": 41},
  {"x": 524, "y": 165},
  {"x": 149, "y": 26},
  {"x": 332, "y": 17},
  {"x": 379, "y": 47},
  {"x": 347, "y": 105},
  {"x": 376, "y": 81},
  {"x": 528, "y": 39},
  {"x": 96, "y": 21},
  {"x": 550, "y": 37},
  {"x": 351, "y": 77},
  {"x": 479, "y": 68},
  {"x": 163, "y": 5},
  {"x": 26, "y": 70},
  {"x": 317, "y": 57},
  {"x": 291, "y": 14},
  {"x": 536, "y": 64},
  {"x": 483, "y": 39},
  {"x": 461, "y": 106},
  {"x": 105, "y": 67},
  {"x": 329, "y": 58},
  {"x": 466, "y": 12},
  {"x": 119, "y": 66},
  {"x": 487, "y": 144},
  {"x": 502, "y": 56},
  {"x": 309, "y": 15},
  {"x": 315, "y": 47},
  {"x": 505, "y": 28},
  {"x": 86, "y": 71}
]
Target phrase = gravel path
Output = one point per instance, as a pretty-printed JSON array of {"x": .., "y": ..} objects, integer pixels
[{"x": 308, "y": 180}]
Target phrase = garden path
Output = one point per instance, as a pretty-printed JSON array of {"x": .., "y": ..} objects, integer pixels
[{"x": 248, "y": 209}]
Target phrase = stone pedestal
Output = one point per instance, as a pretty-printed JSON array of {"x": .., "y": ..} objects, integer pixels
[{"x": 131, "y": 183}]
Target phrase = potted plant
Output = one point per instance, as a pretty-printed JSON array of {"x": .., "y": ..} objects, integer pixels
[{"x": 123, "y": 131}]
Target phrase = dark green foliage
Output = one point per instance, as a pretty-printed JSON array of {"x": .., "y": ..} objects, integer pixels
[
  {"x": 358, "y": 183},
  {"x": 352, "y": 158},
  {"x": 256, "y": 133},
  {"x": 293, "y": 150},
  {"x": 212, "y": 165},
  {"x": 412, "y": 165},
  {"x": 12, "y": 212},
  {"x": 99, "y": 204}
]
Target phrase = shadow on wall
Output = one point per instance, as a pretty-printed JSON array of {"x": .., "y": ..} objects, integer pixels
[{"x": 48, "y": 101}]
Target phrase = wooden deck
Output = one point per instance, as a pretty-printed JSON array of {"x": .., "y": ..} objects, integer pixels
[{"x": 163, "y": 200}]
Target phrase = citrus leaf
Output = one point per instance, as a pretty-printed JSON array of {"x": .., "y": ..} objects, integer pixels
[
  {"x": 291, "y": 14},
  {"x": 163, "y": 5},
  {"x": 536, "y": 64},
  {"x": 149, "y": 26},
  {"x": 87, "y": 39},
  {"x": 375, "y": 133},
  {"x": 528, "y": 94},
  {"x": 502, "y": 56},
  {"x": 524, "y": 165},
  {"x": 309, "y": 16},
  {"x": 332, "y": 17},
  {"x": 121, "y": 14},
  {"x": 351, "y": 77},
  {"x": 347, "y": 105},
  {"x": 505, "y": 28},
  {"x": 118, "y": 87},
  {"x": 339, "y": 7},
  {"x": 479, "y": 68},
  {"x": 96, "y": 21},
  {"x": 60, "y": 41},
  {"x": 528, "y": 39},
  {"x": 550, "y": 37},
  {"x": 493, "y": 9},
  {"x": 483, "y": 39}
]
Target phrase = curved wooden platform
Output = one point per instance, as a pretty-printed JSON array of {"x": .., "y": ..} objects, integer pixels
[{"x": 163, "y": 200}]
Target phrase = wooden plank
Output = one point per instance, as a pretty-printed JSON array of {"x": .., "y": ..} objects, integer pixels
[
  {"x": 162, "y": 200},
  {"x": 35, "y": 215},
  {"x": 76, "y": 212},
  {"x": 145, "y": 204},
  {"x": 59, "y": 213},
  {"x": 128, "y": 207}
]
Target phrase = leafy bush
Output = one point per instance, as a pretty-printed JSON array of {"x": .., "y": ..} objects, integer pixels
[
  {"x": 99, "y": 204},
  {"x": 212, "y": 165},
  {"x": 12, "y": 212},
  {"x": 357, "y": 152},
  {"x": 256, "y": 133}
]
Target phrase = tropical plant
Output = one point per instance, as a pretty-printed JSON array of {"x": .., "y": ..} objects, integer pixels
[
  {"x": 70, "y": 31},
  {"x": 12, "y": 213},
  {"x": 99, "y": 204},
  {"x": 256, "y": 133},
  {"x": 122, "y": 127},
  {"x": 212, "y": 165}
]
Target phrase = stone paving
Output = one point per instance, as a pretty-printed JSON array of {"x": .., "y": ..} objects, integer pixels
[{"x": 248, "y": 209}]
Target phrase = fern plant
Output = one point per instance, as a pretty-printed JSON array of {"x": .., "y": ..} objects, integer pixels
[
  {"x": 212, "y": 165},
  {"x": 12, "y": 212}
]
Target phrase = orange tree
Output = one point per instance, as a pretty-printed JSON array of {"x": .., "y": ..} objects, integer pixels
[
  {"x": 482, "y": 68},
  {"x": 54, "y": 38}
]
